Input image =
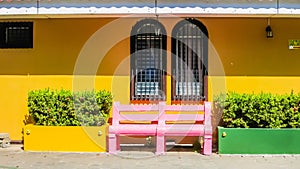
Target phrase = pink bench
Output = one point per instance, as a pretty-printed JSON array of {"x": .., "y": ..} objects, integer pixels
[
  {"x": 143, "y": 121},
  {"x": 185, "y": 124}
]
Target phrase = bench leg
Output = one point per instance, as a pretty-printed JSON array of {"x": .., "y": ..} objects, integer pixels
[
  {"x": 118, "y": 143},
  {"x": 113, "y": 143},
  {"x": 160, "y": 145},
  {"x": 207, "y": 147}
]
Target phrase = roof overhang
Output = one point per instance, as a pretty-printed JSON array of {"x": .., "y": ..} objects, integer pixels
[{"x": 117, "y": 8}]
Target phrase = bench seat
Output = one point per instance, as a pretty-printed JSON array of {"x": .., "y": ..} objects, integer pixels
[
  {"x": 134, "y": 130},
  {"x": 181, "y": 130}
]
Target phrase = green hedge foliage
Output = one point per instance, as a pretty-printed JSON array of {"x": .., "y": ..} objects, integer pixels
[
  {"x": 264, "y": 110},
  {"x": 63, "y": 108}
]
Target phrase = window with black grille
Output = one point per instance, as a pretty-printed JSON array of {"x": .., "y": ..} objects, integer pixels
[
  {"x": 148, "y": 61},
  {"x": 189, "y": 60},
  {"x": 16, "y": 34}
]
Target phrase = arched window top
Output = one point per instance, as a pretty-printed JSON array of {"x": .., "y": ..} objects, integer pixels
[
  {"x": 148, "y": 26},
  {"x": 189, "y": 23}
]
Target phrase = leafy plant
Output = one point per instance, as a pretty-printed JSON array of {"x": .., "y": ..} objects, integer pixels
[
  {"x": 264, "y": 110},
  {"x": 89, "y": 104},
  {"x": 63, "y": 108}
]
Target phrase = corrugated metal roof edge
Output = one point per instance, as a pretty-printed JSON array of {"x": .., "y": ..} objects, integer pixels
[{"x": 146, "y": 10}]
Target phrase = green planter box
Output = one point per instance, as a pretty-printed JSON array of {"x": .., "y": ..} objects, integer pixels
[{"x": 258, "y": 141}]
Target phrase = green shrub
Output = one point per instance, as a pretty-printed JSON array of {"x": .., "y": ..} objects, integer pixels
[
  {"x": 63, "y": 108},
  {"x": 262, "y": 110},
  {"x": 92, "y": 108}
]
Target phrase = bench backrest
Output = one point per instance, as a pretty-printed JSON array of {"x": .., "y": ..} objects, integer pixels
[
  {"x": 158, "y": 113},
  {"x": 186, "y": 114},
  {"x": 135, "y": 113}
]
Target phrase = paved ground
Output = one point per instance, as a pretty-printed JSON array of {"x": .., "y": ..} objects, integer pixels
[{"x": 14, "y": 157}]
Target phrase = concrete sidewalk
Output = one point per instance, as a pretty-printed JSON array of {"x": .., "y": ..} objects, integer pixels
[{"x": 15, "y": 157}]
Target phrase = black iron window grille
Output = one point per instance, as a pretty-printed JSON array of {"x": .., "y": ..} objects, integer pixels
[
  {"x": 16, "y": 34},
  {"x": 148, "y": 61},
  {"x": 189, "y": 61}
]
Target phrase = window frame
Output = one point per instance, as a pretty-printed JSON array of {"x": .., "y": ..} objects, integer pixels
[
  {"x": 190, "y": 99},
  {"x": 16, "y": 35},
  {"x": 158, "y": 66}
]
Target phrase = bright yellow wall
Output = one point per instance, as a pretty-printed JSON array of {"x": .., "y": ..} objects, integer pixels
[
  {"x": 242, "y": 46},
  {"x": 14, "y": 89},
  {"x": 13, "y": 104},
  {"x": 253, "y": 84},
  {"x": 240, "y": 43},
  {"x": 250, "y": 61},
  {"x": 56, "y": 45}
]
